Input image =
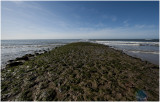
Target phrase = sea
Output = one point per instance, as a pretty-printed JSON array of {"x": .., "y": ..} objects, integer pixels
[{"x": 145, "y": 49}]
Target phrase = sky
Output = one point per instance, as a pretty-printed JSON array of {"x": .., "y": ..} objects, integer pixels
[{"x": 80, "y": 20}]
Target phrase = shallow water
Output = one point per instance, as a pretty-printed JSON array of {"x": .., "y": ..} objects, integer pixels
[
  {"x": 147, "y": 50},
  {"x": 11, "y": 49}
]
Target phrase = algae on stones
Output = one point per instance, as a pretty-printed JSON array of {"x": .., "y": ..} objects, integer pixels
[{"x": 79, "y": 72}]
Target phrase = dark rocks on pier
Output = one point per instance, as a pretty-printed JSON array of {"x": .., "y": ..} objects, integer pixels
[{"x": 14, "y": 63}]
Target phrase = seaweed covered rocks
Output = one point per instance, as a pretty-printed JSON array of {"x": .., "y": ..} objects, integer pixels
[{"x": 80, "y": 71}]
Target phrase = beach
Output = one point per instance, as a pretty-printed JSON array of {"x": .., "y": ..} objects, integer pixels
[{"x": 79, "y": 71}]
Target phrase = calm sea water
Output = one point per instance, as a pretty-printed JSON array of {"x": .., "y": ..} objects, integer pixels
[{"x": 144, "y": 49}]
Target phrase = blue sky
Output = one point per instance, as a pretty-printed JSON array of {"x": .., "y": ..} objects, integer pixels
[{"x": 80, "y": 20}]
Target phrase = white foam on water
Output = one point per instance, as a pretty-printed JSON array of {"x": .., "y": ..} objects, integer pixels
[
  {"x": 136, "y": 48},
  {"x": 11, "y": 49},
  {"x": 149, "y": 52},
  {"x": 129, "y": 43}
]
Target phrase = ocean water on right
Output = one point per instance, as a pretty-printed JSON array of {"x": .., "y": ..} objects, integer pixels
[{"x": 145, "y": 49}]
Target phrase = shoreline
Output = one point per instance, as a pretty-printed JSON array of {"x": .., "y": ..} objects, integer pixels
[
  {"x": 33, "y": 53},
  {"x": 24, "y": 58},
  {"x": 41, "y": 52},
  {"x": 79, "y": 55},
  {"x": 150, "y": 56}
]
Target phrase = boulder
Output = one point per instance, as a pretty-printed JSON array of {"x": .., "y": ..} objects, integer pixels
[
  {"x": 23, "y": 58},
  {"x": 15, "y": 63}
]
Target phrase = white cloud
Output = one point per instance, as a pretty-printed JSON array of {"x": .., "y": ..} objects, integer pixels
[
  {"x": 7, "y": 9},
  {"x": 110, "y": 17},
  {"x": 85, "y": 33},
  {"x": 105, "y": 16},
  {"x": 114, "y": 18},
  {"x": 18, "y": 2},
  {"x": 144, "y": 26},
  {"x": 140, "y": 26},
  {"x": 126, "y": 23},
  {"x": 100, "y": 24}
]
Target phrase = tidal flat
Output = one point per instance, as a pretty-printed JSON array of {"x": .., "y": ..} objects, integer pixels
[{"x": 79, "y": 71}]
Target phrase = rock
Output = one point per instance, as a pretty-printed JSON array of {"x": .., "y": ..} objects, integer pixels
[
  {"x": 37, "y": 53},
  {"x": 26, "y": 95},
  {"x": 155, "y": 67},
  {"x": 89, "y": 85},
  {"x": 23, "y": 58},
  {"x": 43, "y": 85},
  {"x": 45, "y": 51},
  {"x": 10, "y": 61},
  {"x": 19, "y": 60},
  {"x": 119, "y": 96},
  {"x": 30, "y": 55},
  {"x": 16, "y": 63},
  {"x": 48, "y": 95}
]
